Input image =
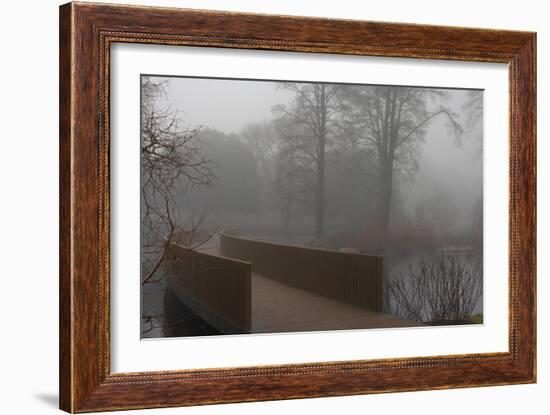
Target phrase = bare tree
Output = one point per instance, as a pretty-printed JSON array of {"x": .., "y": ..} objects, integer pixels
[
  {"x": 263, "y": 141},
  {"x": 474, "y": 110},
  {"x": 474, "y": 122},
  {"x": 293, "y": 178},
  {"x": 439, "y": 290},
  {"x": 311, "y": 121},
  {"x": 392, "y": 121},
  {"x": 171, "y": 164}
]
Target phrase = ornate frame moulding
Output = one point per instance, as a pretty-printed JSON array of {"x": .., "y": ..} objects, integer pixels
[{"x": 86, "y": 33}]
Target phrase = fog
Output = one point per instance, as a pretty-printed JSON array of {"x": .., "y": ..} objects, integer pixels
[
  {"x": 223, "y": 105},
  {"x": 392, "y": 171},
  {"x": 449, "y": 170}
]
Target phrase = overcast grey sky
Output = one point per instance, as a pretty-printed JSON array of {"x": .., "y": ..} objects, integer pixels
[
  {"x": 228, "y": 105},
  {"x": 224, "y": 105}
]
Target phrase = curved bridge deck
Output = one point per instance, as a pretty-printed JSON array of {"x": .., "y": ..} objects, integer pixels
[
  {"x": 277, "y": 307},
  {"x": 222, "y": 284}
]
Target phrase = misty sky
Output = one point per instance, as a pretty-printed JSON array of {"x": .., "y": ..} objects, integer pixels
[
  {"x": 229, "y": 105},
  {"x": 235, "y": 103}
]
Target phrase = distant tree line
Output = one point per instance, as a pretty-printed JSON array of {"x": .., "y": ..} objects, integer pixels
[{"x": 373, "y": 132}]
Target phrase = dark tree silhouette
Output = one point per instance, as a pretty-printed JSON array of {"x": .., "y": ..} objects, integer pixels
[
  {"x": 262, "y": 140},
  {"x": 236, "y": 191},
  {"x": 392, "y": 121},
  {"x": 474, "y": 120},
  {"x": 171, "y": 163},
  {"x": 311, "y": 122}
]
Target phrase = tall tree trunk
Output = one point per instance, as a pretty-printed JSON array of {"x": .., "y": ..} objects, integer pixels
[
  {"x": 391, "y": 127},
  {"x": 321, "y": 143},
  {"x": 384, "y": 204},
  {"x": 320, "y": 202}
]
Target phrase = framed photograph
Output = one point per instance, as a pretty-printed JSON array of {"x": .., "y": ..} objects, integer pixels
[{"x": 258, "y": 207}]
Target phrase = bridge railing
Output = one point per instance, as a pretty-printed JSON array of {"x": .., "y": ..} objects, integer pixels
[
  {"x": 216, "y": 288},
  {"x": 347, "y": 277}
]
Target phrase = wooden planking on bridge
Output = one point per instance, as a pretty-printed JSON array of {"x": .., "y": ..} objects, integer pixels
[{"x": 277, "y": 307}]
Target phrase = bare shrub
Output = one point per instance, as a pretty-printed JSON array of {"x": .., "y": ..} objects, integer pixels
[{"x": 443, "y": 289}]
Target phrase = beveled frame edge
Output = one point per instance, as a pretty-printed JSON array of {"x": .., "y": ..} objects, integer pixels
[{"x": 86, "y": 33}]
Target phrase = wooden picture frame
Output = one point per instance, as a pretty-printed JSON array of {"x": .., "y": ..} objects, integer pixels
[{"x": 86, "y": 33}]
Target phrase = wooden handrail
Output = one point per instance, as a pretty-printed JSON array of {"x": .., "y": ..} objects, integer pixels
[
  {"x": 347, "y": 277},
  {"x": 216, "y": 288}
]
